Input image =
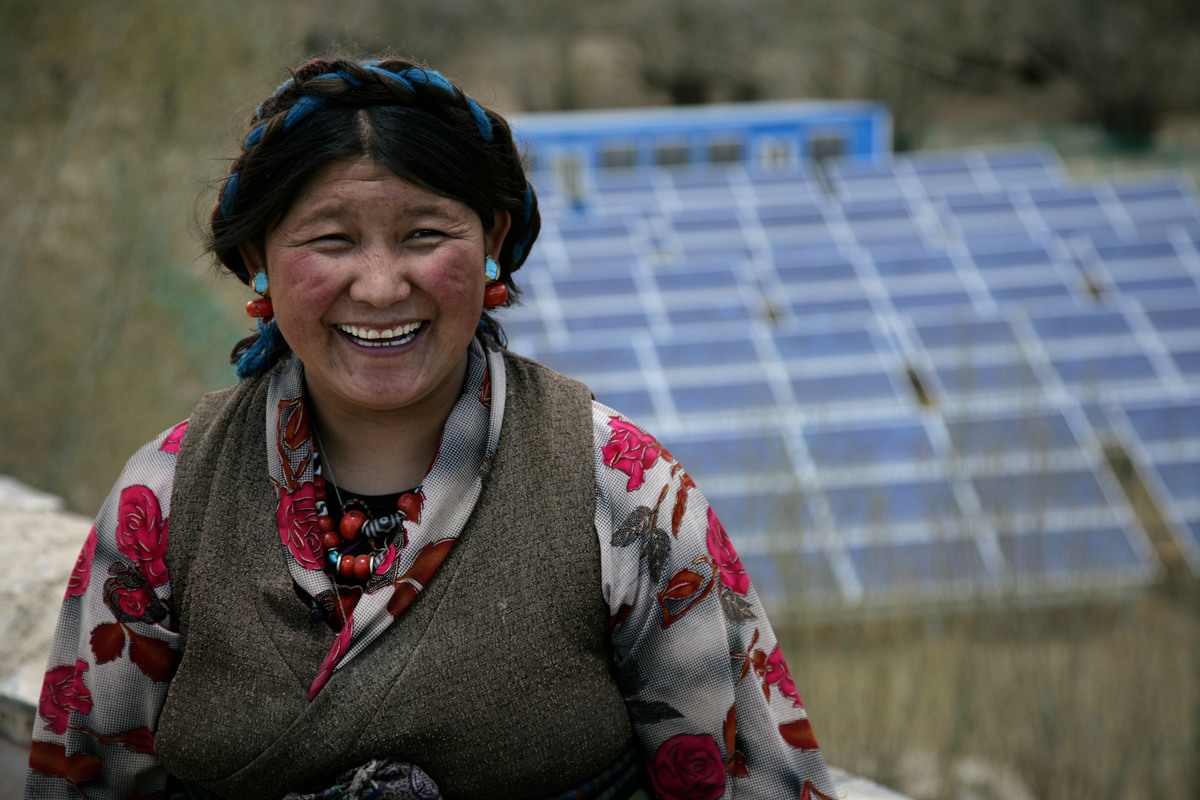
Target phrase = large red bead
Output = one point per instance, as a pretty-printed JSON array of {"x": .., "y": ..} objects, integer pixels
[
  {"x": 260, "y": 307},
  {"x": 324, "y": 523},
  {"x": 351, "y": 522},
  {"x": 346, "y": 566},
  {"x": 330, "y": 539},
  {"x": 362, "y": 567},
  {"x": 494, "y": 294}
]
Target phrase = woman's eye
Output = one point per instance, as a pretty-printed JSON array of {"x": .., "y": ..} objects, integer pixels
[
  {"x": 426, "y": 233},
  {"x": 330, "y": 238}
]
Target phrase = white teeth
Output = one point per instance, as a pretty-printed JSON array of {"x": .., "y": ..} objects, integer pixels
[{"x": 381, "y": 338}]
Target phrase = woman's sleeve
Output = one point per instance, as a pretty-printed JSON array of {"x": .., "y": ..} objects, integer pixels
[
  {"x": 115, "y": 647},
  {"x": 713, "y": 704}
]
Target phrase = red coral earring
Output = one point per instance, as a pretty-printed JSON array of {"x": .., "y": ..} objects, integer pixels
[{"x": 495, "y": 294}]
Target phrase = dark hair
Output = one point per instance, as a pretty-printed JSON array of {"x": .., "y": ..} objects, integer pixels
[{"x": 409, "y": 120}]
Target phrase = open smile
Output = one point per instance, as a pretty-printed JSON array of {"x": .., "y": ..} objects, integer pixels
[{"x": 385, "y": 337}]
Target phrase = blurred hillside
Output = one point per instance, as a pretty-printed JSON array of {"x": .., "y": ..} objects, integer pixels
[{"x": 118, "y": 116}]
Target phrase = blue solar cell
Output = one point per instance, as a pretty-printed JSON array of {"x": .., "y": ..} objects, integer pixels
[
  {"x": 809, "y": 307},
  {"x": 809, "y": 273},
  {"x": 806, "y": 575},
  {"x": 1166, "y": 423},
  {"x": 979, "y": 378},
  {"x": 929, "y": 264},
  {"x": 899, "y": 440},
  {"x": 1105, "y": 369},
  {"x": 1024, "y": 294},
  {"x": 892, "y": 503},
  {"x": 1002, "y": 436},
  {"x": 693, "y": 312},
  {"x": 622, "y": 320},
  {"x": 757, "y": 513},
  {"x": 578, "y": 361},
  {"x": 633, "y": 402},
  {"x": 1021, "y": 257},
  {"x": 965, "y": 334},
  {"x": 1039, "y": 492},
  {"x": 684, "y": 279},
  {"x": 722, "y": 396},
  {"x": 1065, "y": 554},
  {"x": 598, "y": 286},
  {"x": 1124, "y": 250},
  {"x": 1136, "y": 286},
  {"x": 1188, "y": 362},
  {"x": 978, "y": 203},
  {"x": 1175, "y": 319},
  {"x": 929, "y": 300},
  {"x": 1084, "y": 324},
  {"x": 870, "y": 387},
  {"x": 571, "y": 228},
  {"x": 875, "y": 208},
  {"x": 725, "y": 453},
  {"x": 704, "y": 352},
  {"x": 916, "y": 566},
  {"x": 827, "y": 343},
  {"x": 1181, "y": 478}
]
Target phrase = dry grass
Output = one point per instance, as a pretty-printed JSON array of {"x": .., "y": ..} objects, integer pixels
[{"x": 1098, "y": 702}]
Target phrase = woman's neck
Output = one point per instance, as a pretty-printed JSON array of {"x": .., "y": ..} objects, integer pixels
[{"x": 377, "y": 453}]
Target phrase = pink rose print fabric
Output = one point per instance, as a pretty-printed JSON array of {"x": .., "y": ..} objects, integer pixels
[
  {"x": 142, "y": 532},
  {"x": 630, "y": 450},
  {"x": 733, "y": 574},
  {"x": 688, "y": 767},
  {"x": 63, "y": 691},
  {"x": 81, "y": 575}
]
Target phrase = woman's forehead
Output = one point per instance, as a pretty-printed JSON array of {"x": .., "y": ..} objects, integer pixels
[{"x": 354, "y": 184}]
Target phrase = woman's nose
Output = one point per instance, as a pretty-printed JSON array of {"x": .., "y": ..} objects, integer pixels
[{"x": 380, "y": 280}]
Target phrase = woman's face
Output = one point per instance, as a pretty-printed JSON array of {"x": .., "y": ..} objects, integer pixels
[{"x": 377, "y": 285}]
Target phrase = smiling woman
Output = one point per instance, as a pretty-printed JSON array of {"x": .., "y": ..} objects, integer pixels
[{"x": 397, "y": 560}]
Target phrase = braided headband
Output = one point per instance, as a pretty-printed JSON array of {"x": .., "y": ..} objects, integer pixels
[{"x": 409, "y": 78}]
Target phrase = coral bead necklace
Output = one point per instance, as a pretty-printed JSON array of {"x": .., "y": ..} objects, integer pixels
[{"x": 356, "y": 541}]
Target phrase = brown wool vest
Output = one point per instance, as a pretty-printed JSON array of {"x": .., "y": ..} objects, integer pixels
[{"x": 495, "y": 681}]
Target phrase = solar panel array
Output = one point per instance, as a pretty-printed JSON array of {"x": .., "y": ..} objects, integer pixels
[{"x": 894, "y": 382}]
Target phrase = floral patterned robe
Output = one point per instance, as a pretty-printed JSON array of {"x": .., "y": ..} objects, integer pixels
[{"x": 712, "y": 701}]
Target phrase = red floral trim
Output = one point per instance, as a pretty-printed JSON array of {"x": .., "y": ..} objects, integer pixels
[
  {"x": 297, "y": 521},
  {"x": 341, "y": 643}
]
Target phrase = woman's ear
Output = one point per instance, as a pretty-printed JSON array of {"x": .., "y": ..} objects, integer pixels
[
  {"x": 495, "y": 237},
  {"x": 251, "y": 257}
]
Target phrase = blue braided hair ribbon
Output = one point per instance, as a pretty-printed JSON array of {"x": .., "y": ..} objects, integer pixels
[{"x": 409, "y": 78}]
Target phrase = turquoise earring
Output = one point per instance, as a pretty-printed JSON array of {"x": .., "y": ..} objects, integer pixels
[{"x": 490, "y": 268}]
